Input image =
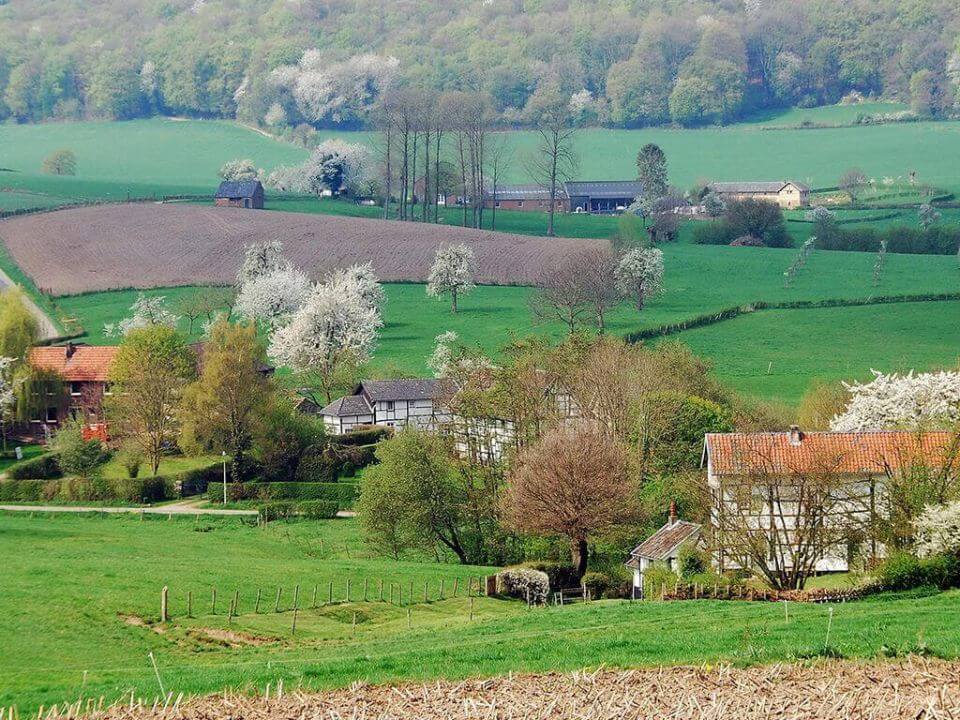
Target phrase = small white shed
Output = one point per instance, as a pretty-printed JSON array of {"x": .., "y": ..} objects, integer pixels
[{"x": 663, "y": 546}]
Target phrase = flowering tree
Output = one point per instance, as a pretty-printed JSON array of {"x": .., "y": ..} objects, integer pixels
[
  {"x": 928, "y": 215},
  {"x": 362, "y": 279},
  {"x": 639, "y": 274},
  {"x": 937, "y": 530},
  {"x": 146, "y": 311},
  {"x": 442, "y": 357},
  {"x": 332, "y": 333},
  {"x": 7, "y": 397},
  {"x": 238, "y": 170},
  {"x": 452, "y": 272},
  {"x": 272, "y": 298},
  {"x": 334, "y": 165},
  {"x": 261, "y": 259},
  {"x": 714, "y": 204},
  {"x": 912, "y": 401}
]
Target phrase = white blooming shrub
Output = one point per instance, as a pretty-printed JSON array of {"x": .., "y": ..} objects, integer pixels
[
  {"x": 452, "y": 272},
  {"x": 912, "y": 401},
  {"x": 532, "y": 586},
  {"x": 146, "y": 312},
  {"x": 639, "y": 274},
  {"x": 272, "y": 298},
  {"x": 937, "y": 530}
]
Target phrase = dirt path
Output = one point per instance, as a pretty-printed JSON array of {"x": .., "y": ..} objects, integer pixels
[{"x": 47, "y": 327}]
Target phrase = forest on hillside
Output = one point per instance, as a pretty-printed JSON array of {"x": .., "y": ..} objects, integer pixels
[{"x": 326, "y": 63}]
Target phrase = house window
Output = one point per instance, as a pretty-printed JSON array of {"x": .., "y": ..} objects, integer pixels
[
  {"x": 51, "y": 414},
  {"x": 76, "y": 389},
  {"x": 497, "y": 204},
  {"x": 519, "y": 203},
  {"x": 390, "y": 405},
  {"x": 107, "y": 389}
]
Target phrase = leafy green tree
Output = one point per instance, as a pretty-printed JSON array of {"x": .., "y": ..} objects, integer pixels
[
  {"x": 114, "y": 89},
  {"x": 221, "y": 408},
  {"x": 285, "y": 438},
  {"x": 60, "y": 162},
  {"x": 152, "y": 366},
  {"x": 77, "y": 457},
  {"x": 19, "y": 330},
  {"x": 414, "y": 497},
  {"x": 759, "y": 219},
  {"x": 652, "y": 170}
]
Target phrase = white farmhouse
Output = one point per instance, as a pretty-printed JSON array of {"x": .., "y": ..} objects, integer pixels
[
  {"x": 663, "y": 547},
  {"x": 389, "y": 403}
]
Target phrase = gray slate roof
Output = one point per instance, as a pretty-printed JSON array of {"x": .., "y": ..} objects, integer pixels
[
  {"x": 386, "y": 390},
  {"x": 773, "y": 186},
  {"x": 348, "y": 406},
  {"x": 238, "y": 189},
  {"x": 659, "y": 545},
  {"x": 604, "y": 188},
  {"x": 525, "y": 192}
]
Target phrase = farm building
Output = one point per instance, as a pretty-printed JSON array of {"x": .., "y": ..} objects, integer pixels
[
  {"x": 240, "y": 194},
  {"x": 785, "y": 193},
  {"x": 84, "y": 371},
  {"x": 663, "y": 547},
  {"x": 603, "y": 197},
  {"x": 755, "y": 478},
  {"x": 390, "y": 403},
  {"x": 525, "y": 198}
]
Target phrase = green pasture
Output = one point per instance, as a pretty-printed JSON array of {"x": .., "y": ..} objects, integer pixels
[
  {"x": 164, "y": 156},
  {"x": 82, "y": 599}
]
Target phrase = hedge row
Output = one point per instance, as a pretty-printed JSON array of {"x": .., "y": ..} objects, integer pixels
[
  {"x": 365, "y": 436},
  {"x": 342, "y": 493},
  {"x": 42, "y": 467},
  {"x": 309, "y": 509},
  {"x": 933, "y": 241},
  {"x": 131, "y": 490}
]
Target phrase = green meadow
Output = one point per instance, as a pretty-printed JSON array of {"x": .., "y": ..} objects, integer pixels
[{"x": 82, "y": 599}]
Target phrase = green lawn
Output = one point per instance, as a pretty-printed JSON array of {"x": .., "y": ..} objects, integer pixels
[
  {"x": 82, "y": 593},
  {"x": 168, "y": 466},
  {"x": 777, "y": 353},
  {"x": 29, "y": 451}
]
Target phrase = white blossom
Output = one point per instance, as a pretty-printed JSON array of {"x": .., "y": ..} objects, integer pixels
[
  {"x": 239, "y": 170},
  {"x": 334, "y": 165},
  {"x": 937, "y": 530},
  {"x": 639, "y": 274},
  {"x": 442, "y": 357},
  {"x": 452, "y": 272},
  {"x": 928, "y": 215},
  {"x": 146, "y": 312},
  {"x": 819, "y": 214},
  {"x": 7, "y": 397},
  {"x": 272, "y": 298},
  {"x": 361, "y": 279},
  {"x": 332, "y": 321},
  {"x": 261, "y": 259},
  {"x": 912, "y": 401},
  {"x": 148, "y": 77},
  {"x": 276, "y": 115}
]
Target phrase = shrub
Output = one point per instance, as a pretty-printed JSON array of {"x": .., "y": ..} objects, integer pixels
[
  {"x": 363, "y": 436},
  {"x": 561, "y": 575},
  {"x": 23, "y": 490},
  {"x": 905, "y": 572},
  {"x": 657, "y": 577},
  {"x": 44, "y": 467},
  {"x": 318, "y": 509},
  {"x": 317, "y": 465},
  {"x": 532, "y": 586},
  {"x": 277, "y": 510},
  {"x": 712, "y": 233},
  {"x": 348, "y": 470},
  {"x": 692, "y": 562},
  {"x": 343, "y": 493},
  {"x": 194, "y": 482},
  {"x": 131, "y": 458},
  {"x": 595, "y": 584},
  {"x": 757, "y": 218}
]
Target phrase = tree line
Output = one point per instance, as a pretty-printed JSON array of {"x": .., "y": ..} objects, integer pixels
[{"x": 291, "y": 66}]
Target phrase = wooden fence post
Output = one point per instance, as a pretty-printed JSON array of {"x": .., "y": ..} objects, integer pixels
[
  {"x": 441, "y": 588},
  {"x": 296, "y": 595},
  {"x": 365, "y": 585},
  {"x": 189, "y": 603},
  {"x": 330, "y": 593},
  {"x": 313, "y": 603},
  {"x": 276, "y": 603},
  {"x": 293, "y": 630},
  {"x": 348, "y": 589},
  {"x": 471, "y": 609},
  {"x": 381, "y": 590},
  {"x": 256, "y": 608},
  {"x": 164, "y": 615},
  {"x": 236, "y": 602},
  {"x": 456, "y": 582},
  {"x": 213, "y": 602},
  {"x": 426, "y": 590}
]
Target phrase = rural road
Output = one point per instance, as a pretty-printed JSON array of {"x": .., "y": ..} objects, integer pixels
[
  {"x": 178, "y": 509},
  {"x": 47, "y": 328}
]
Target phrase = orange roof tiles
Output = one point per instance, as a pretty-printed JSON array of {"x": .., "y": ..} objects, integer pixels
[
  {"x": 840, "y": 452},
  {"x": 87, "y": 363}
]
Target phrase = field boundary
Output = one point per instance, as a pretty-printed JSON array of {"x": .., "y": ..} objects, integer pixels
[{"x": 736, "y": 311}]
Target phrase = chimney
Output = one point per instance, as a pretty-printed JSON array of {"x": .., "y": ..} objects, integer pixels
[
  {"x": 796, "y": 437},
  {"x": 71, "y": 349},
  {"x": 673, "y": 512}
]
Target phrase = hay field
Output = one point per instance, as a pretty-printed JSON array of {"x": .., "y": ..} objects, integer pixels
[{"x": 154, "y": 245}]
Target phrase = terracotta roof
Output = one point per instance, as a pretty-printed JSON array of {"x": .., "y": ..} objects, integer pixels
[
  {"x": 841, "y": 452},
  {"x": 659, "y": 545},
  {"x": 87, "y": 363}
]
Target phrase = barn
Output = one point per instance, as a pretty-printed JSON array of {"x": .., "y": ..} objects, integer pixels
[
  {"x": 240, "y": 194},
  {"x": 602, "y": 197}
]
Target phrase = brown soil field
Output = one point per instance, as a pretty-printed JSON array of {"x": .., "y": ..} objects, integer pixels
[
  {"x": 833, "y": 690},
  {"x": 155, "y": 245}
]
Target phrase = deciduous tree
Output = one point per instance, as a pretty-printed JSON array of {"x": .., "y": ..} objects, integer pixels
[
  {"x": 60, "y": 162},
  {"x": 19, "y": 329},
  {"x": 640, "y": 274},
  {"x": 452, "y": 272},
  {"x": 555, "y": 159},
  {"x": 652, "y": 170}
]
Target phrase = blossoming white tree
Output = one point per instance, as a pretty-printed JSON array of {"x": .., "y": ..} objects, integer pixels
[
  {"x": 261, "y": 259},
  {"x": 937, "y": 530},
  {"x": 146, "y": 312},
  {"x": 272, "y": 298},
  {"x": 639, "y": 274},
  {"x": 330, "y": 335},
  {"x": 912, "y": 401},
  {"x": 239, "y": 170},
  {"x": 7, "y": 398},
  {"x": 362, "y": 279},
  {"x": 442, "y": 357},
  {"x": 452, "y": 272},
  {"x": 334, "y": 165}
]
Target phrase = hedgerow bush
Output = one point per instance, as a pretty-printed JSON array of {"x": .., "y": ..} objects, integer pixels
[
  {"x": 44, "y": 467},
  {"x": 27, "y": 490},
  {"x": 277, "y": 510},
  {"x": 905, "y": 572},
  {"x": 532, "y": 586},
  {"x": 318, "y": 509},
  {"x": 365, "y": 436},
  {"x": 560, "y": 575},
  {"x": 343, "y": 493}
]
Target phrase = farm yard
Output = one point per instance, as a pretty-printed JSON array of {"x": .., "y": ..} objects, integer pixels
[{"x": 102, "y": 645}]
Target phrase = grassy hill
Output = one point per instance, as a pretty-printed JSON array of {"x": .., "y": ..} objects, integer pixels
[{"x": 92, "y": 634}]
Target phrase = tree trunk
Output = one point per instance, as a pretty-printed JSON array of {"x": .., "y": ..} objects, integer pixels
[
  {"x": 453, "y": 299},
  {"x": 578, "y": 555}
]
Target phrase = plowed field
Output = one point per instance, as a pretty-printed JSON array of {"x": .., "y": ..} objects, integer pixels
[{"x": 156, "y": 245}]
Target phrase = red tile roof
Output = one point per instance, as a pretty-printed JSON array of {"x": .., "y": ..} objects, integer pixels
[
  {"x": 87, "y": 363},
  {"x": 659, "y": 545},
  {"x": 841, "y": 452}
]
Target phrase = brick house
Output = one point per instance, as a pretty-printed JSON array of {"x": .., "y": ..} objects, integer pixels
[
  {"x": 603, "y": 197},
  {"x": 788, "y": 194},
  {"x": 525, "y": 198},
  {"x": 84, "y": 370},
  {"x": 240, "y": 194}
]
